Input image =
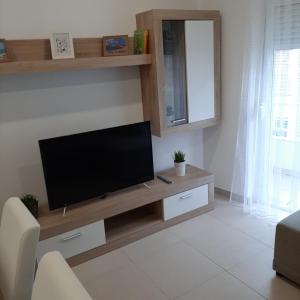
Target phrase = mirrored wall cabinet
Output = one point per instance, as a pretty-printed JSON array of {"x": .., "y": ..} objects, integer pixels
[{"x": 181, "y": 88}]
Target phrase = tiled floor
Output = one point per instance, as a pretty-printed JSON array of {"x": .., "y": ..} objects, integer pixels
[{"x": 223, "y": 255}]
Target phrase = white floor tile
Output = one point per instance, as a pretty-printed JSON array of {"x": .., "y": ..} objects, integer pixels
[
  {"x": 197, "y": 226},
  {"x": 178, "y": 269},
  {"x": 228, "y": 213},
  {"x": 256, "y": 228},
  {"x": 126, "y": 283},
  {"x": 223, "y": 287},
  {"x": 102, "y": 264},
  {"x": 179, "y": 262},
  {"x": 257, "y": 273},
  {"x": 145, "y": 247},
  {"x": 232, "y": 214},
  {"x": 267, "y": 237},
  {"x": 226, "y": 247}
]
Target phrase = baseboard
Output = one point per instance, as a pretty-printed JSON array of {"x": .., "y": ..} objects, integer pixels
[
  {"x": 237, "y": 198},
  {"x": 222, "y": 192},
  {"x": 227, "y": 194}
]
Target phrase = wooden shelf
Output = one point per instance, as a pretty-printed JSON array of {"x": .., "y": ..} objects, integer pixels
[
  {"x": 132, "y": 228},
  {"x": 131, "y": 222},
  {"x": 42, "y": 66},
  {"x": 34, "y": 56}
]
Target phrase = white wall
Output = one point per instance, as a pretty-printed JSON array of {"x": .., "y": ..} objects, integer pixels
[
  {"x": 220, "y": 141},
  {"x": 39, "y": 106},
  {"x": 38, "y": 18}
]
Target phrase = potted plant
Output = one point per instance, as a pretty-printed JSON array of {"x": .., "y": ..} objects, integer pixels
[
  {"x": 179, "y": 162},
  {"x": 32, "y": 203}
]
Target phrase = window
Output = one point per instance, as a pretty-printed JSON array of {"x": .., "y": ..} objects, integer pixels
[
  {"x": 286, "y": 95},
  {"x": 281, "y": 127}
]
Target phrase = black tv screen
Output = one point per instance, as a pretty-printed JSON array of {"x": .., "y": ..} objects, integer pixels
[{"x": 87, "y": 165}]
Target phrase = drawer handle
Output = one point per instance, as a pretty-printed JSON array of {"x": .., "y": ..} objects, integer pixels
[
  {"x": 71, "y": 237},
  {"x": 186, "y": 196},
  {"x": 179, "y": 120}
]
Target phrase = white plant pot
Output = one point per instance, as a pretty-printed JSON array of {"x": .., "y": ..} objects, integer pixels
[{"x": 180, "y": 169}]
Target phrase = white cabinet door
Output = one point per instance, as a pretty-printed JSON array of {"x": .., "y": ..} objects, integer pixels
[
  {"x": 199, "y": 37},
  {"x": 74, "y": 242},
  {"x": 185, "y": 202}
]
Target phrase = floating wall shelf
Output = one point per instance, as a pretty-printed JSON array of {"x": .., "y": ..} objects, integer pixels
[
  {"x": 21, "y": 67},
  {"x": 34, "y": 56}
]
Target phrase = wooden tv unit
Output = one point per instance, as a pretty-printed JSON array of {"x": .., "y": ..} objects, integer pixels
[{"x": 95, "y": 227}]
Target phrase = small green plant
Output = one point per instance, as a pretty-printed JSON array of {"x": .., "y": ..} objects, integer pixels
[
  {"x": 32, "y": 203},
  {"x": 179, "y": 157}
]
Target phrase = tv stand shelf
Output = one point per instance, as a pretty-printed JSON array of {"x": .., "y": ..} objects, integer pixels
[
  {"x": 131, "y": 222},
  {"x": 129, "y": 214}
]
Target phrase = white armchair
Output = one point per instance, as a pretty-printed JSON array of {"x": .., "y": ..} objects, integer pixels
[
  {"x": 56, "y": 280},
  {"x": 19, "y": 236}
]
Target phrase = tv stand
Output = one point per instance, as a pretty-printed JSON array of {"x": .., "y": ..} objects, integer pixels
[{"x": 94, "y": 227}]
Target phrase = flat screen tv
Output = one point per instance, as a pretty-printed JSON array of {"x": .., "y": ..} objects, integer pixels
[{"x": 88, "y": 165}]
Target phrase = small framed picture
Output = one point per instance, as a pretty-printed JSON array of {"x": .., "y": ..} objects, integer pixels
[
  {"x": 62, "y": 46},
  {"x": 3, "y": 51},
  {"x": 115, "y": 45}
]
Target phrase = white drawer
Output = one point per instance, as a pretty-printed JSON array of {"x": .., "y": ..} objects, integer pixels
[
  {"x": 185, "y": 202},
  {"x": 74, "y": 242}
]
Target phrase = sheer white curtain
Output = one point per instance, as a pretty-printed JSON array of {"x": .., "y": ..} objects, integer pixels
[{"x": 267, "y": 163}]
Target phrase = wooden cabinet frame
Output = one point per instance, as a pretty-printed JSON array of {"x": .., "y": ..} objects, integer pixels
[{"x": 152, "y": 76}]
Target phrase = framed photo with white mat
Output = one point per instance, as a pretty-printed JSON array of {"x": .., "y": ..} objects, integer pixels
[{"x": 62, "y": 45}]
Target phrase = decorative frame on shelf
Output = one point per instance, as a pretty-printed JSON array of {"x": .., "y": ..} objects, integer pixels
[
  {"x": 4, "y": 57},
  {"x": 115, "y": 45},
  {"x": 62, "y": 46}
]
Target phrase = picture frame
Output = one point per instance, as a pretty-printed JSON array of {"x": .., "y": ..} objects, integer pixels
[
  {"x": 62, "y": 45},
  {"x": 3, "y": 51},
  {"x": 115, "y": 45}
]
